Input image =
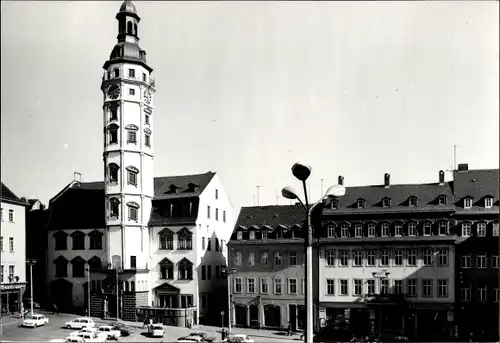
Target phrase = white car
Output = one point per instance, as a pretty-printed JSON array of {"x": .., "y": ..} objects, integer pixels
[
  {"x": 92, "y": 337},
  {"x": 80, "y": 323},
  {"x": 109, "y": 331},
  {"x": 239, "y": 339},
  {"x": 156, "y": 330},
  {"x": 74, "y": 339},
  {"x": 35, "y": 320}
]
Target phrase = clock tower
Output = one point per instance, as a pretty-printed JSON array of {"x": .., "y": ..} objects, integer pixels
[{"x": 128, "y": 156}]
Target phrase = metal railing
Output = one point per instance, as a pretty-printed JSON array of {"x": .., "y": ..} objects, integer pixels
[{"x": 118, "y": 265}]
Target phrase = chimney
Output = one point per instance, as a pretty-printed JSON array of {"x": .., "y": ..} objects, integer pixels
[
  {"x": 441, "y": 178},
  {"x": 387, "y": 180},
  {"x": 341, "y": 180},
  {"x": 463, "y": 167}
]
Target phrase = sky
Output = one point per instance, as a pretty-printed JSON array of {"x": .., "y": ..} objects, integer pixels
[{"x": 246, "y": 89}]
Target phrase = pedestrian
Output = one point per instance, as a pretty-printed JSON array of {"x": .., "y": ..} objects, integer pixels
[
  {"x": 289, "y": 332},
  {"x": 55, "y": 309},
  {"x": 146, "y": 320}
]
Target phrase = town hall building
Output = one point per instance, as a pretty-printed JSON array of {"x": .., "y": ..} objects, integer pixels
[{"x": 145, "y": 244}]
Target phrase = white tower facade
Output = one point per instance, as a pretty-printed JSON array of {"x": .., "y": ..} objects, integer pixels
[{"x": 128, "y": 91}]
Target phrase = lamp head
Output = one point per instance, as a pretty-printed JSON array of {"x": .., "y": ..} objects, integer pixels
[
  {"x": 335, "y": 191},
  {"x": 289, "y": 193},
  {"x": 301, "y": 171}
]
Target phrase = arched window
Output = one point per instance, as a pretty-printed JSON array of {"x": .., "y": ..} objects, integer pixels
[
  {"x": 114, "y": 207},
  {"x": 129, "y": 27},
  {"x": 135, "y": 30},
  {"x": 113, "y": 133},
  {"x": 113, "y": 172},
  {"x": 132, "y": 286}
]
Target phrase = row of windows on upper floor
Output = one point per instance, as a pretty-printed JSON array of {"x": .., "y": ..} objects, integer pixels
[
  {"x": 481, "y": 294},
  {"x": 11, "y": 244},
  {"x": 113, "y": 174},
  {"x": 130, "y": 74},
  {"x": 78, "y": 240},
  {"x": 185, "y": 241},
  {"x": 11, "y": 277},
  {"x": 11, "y": 215},
  {"x": 384, "y": 229},
  {"x": 112, "y": 135},
  {"x": 412, "y": 201},
  {"x": 481, "y": 261},
  {"x": 184, "y": 269},
  {"x": 355, "y": 258},
  {"x": 79, "y": 266}
]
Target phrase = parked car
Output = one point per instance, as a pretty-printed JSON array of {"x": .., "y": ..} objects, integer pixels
[
  {"x": 156, "y": 330},
  {"x": 92, "y": 337},
  {"x": 79, "y": 323},
  {"x": 204, "y": 336},
  {"x": 124, "y": 330},
  {"x": 190, "y": 339},
  {"x": 238, "y": 339},
  {"x": 111, "y": 332},
  {"x": 74, "y": 339},
  {"x": 35, "y": 320}
]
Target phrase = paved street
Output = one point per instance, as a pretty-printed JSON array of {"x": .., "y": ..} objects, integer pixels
[{"x": 12, "y": 331}]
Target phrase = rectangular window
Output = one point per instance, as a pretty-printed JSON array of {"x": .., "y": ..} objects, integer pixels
[
  {"x": 467, "y": 203},
  {"x": 427, "y": 229},
  {"x": 132, "y": 178},
  {"x": 132, "y": 213},
  {"x": 209, "y": 244},
  {"x": 224, "y": 220},
  {"x": 146, "y": 119},
  {"x": 398, "y": 257},
  {"x": 412, "y": 287},
  {"x": 330, "y": 258},
  {"x": 344, "y": 289},
  {"x": 412, "y": 257},
  {"x": 371, "y": 230},
  {"x": 147, "y": 140},
  {"x": 384, "y": 286},
  {"x": 113, "y": 136},
  {"x": 465, "y": 294},
  {"x": 481, "y": 293},
  {"x": 465, "y": 261},
  {"x": 11, "y": 216},
  {"x": 398, "y": 229},
  {"x": 358, "y": 258},
  {"x": 11, "y": 273},
  {"x": 264, "y": 285},
  {"x": 495, "y": 261},
  {"x": 370, "y": 257},
  {"x": 251, "y": 233},
  {"x": 251, "y": 259},
  {"x": 292, "y": 258},
  {"x": 344, "y": 231},
  {"x": 427, "y": 257},
  {"x": 481, "y": 229},
  {"x": 412, "y": 229},
  {"x": 443, "y": 228},
  {"x": 237, "y": 258},
  {"x": 277, "y": 286},
  {"x": 330, "y": 287},
  {"x": 209, "y": 272},
  {"x": 384, "y": 257},
  {"x": 144, "y": 78},
  {"x": 427, "y": 288},
  {"x": 11, "y": 244},
  {"x": 116, "y": 72},
  {"x": 466, "y": 229},
  {"x": 277, "y": 259},
  {"x": 442, "y": 257},
  {"x": 217, "y": 215},
  {"x": 1, "y": 244},
  {"x": 131, "y": 73},
  {"x": 131, "y": 137},
  {"x": 398, "y": 286},
  {"x": 488, "y": 202},
  {"x": 292, "y": 286},
  {"x": 264, "y": 234},
  {"x": 496, "y": 229},
  {"x": 264, "y": 258},
  {"x": 133, "y": 262},
  {"x": 114, "y": 114},
  {"x": 237, "y": 285},
  {"x": 208, "y": 211},
  {"x": 216, "y": 194},
  {"x": 131, "y": 91},
  {"x": 385, "y": 229},
  {"x": 330, "y": 231},
  {"x": 2, "y": 272},
  {"x": 370, "y": 285},
  {"x": 239, "y": 235},
  {"x": 358, "y": 230},
  {"x": 358, "y": 287},
  {"x": 496, "y": 294},
  {"x": 343, "y": 258},
  {"x": 481, "y": 260},
  {"x": 167, "y": 272},
  {"x": 203, "y": 243}
]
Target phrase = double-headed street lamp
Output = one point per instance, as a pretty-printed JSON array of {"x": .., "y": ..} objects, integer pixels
[{"x": 302, "y": 173}]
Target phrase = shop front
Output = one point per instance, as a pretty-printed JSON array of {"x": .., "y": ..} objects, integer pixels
[{"x": 12, "y": 297}]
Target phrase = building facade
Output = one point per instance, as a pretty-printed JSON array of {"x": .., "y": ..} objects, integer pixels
[
  {"x": 13, "y": 251},
  {"x": 386, "y": 260},
  {"x": 477, "y": 291},
  {"x": 267, "y": 252}
]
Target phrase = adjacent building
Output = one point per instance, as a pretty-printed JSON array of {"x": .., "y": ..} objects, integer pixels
[
  {"x": 477, "y": 290},
  {"x": 266, "y": 251},
  {"x": 134, "y": 244},
  {"x": 387, "y": 260},
  {"x": 13, "y": 251}
]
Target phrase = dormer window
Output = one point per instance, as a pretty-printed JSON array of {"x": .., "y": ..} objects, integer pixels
[
  {"x": 264, "y": 234},
  {"x": 442, "y": 200},
  {"x": 361, "y": 203},
  {"x": 412, "y": 201},
  {"x": 386, "y": 202},
  {"x": 252, "y": 235},
  {"x": 334, "y": 204},
  {"x": 488, "y": 202},
  {"x": 239, "y": 235},
  {"x": 467, "y": 202},
  {"x": 173, "y": 188}
]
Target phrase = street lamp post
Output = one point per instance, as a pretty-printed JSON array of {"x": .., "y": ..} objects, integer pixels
[
  {"x": 228, "y": 273},
  {"x": 88, "y": 290},
  {"x": 31, "y": 263},
  {"x": 222, "y": 320},
  {"x": 302, "y": 172}
]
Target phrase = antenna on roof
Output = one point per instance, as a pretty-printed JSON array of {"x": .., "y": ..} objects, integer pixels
[
  {"x": 258, "y": 195},
  {"x": 77, "y": 176},
  {"x": 455, "y": 157}
]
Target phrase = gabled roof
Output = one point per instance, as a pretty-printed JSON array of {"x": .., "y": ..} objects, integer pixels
[
  {"x": 273, "y": 216},
  {"x": 162, "y": 185},
  {"x": 477, "y": 183},
  {"x": 8, "y": 196}
]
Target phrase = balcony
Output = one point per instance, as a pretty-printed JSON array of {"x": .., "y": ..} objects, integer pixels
[{"x": 120, "y": 266}]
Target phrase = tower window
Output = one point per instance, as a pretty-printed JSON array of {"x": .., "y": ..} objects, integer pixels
[
  {"x": 132, "y": 213},
  {"x": 131, "y": 91},
  {"x": 135, "y": 29},
  {"x": 131, "y": 137},
  {"x": 129, "y": 27},
  {"x": 117, "y": 72},
  {"x": 114, "y": 207},
  {"x": 144, "y": 77},
  {"x": 146, "y": 119},
  {"x": 114, "y": 114},
  {"x": 113, "y": 136},
  {"x": 113, "y": 173},
  {"x": 132, "y": 178},
  {"x": 147, "y": 140},
  {"x": 131, "y": 73}
]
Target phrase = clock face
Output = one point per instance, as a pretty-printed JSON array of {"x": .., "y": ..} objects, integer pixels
[
  {"x": 147, "y": 96},
  {"x": 114, "y": 91}
]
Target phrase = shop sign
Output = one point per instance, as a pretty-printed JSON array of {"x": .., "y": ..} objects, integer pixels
[{"x": 11, "y": 287}]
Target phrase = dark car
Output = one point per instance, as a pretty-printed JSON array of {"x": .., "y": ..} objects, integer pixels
[
  {"x": 124, "y": 330},
  {"x": 204, "y": 336}
]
